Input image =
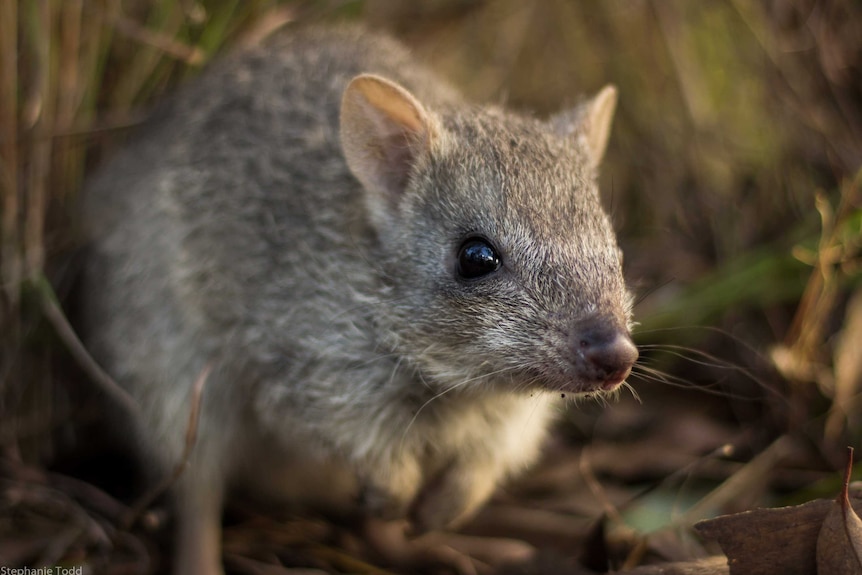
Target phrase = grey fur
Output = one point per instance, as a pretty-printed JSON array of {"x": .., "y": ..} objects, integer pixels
[{"x": 231, "y": 233}]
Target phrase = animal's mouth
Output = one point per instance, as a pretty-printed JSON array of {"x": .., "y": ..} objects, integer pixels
[
  {"x": 615, "y": 379},
  {"x": 577, "y": 384},
  {"x": 592, "y": 387}
]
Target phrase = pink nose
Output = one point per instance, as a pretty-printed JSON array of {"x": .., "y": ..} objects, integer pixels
[{"x": 608, "y": 353}]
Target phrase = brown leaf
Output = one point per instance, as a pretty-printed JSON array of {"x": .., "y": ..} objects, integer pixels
[
  {"x": 839, "y": 545},
  {"x": 779, "y": 541}
]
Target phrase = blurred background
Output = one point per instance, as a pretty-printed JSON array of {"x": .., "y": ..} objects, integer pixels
[{"x": 732, "y": 177}]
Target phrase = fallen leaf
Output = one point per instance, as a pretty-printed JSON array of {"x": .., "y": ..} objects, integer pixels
[
  {"x": 839, "y": 544},
  {"x": 780, "y": 541}
]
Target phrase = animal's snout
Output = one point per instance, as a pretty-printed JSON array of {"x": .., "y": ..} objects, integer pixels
[{"x": 607, "y": 350}]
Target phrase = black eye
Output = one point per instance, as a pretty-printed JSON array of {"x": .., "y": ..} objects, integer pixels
[{"x": 477, "y": 258}]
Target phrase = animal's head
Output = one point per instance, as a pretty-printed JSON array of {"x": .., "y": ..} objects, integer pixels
[{"x": 501, "y": 265}]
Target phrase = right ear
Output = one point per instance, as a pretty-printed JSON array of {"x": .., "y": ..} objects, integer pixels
[
  {"x": 591, "y": 123},
  {"x": 385, "y": 131}
]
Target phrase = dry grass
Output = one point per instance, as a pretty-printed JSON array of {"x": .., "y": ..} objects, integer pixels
[{"x": 75, "y": 76}]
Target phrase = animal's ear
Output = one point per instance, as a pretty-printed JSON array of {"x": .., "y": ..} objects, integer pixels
[
  {"x": 592, "y": 122},
  {"x": 385, "y": 131},
  {"x": 597, "y": 123}
]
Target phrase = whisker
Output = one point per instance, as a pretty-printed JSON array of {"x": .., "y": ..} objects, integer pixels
[
  {"x": 632, "y": 390},
  {"x": 677, "y": 350},
  {"x": 536, "y": 400},
  {"x": 717, "y": 330},
  {"x": 640, "y": 298},
  {"x": 444, "y": 392},
  {"x": 709, "y": 360},
  {"x": 655, "y": 375}
]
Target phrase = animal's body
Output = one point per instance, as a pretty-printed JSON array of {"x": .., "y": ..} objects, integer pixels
[{"x": 390, "y": 288}]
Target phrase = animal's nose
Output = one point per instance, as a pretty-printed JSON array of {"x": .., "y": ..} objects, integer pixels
[{"x": 608, "y": 352}]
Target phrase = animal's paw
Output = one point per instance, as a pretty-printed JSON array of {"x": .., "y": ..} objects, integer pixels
[
  {"x": 381, "y": 503},
  {"x": 452, "y": 497},
  {"x": 389, "y": 541},
  {"x": 452, "y": 552},
  {"x": 387, "y": 491}
]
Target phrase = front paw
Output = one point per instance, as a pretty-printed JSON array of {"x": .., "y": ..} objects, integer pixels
[
  {"x": 381, "y": 503},
  {"x": 453, "y": 496},
  {"x": 387, "y": 492},
  {"x": 390, "y": 542}
]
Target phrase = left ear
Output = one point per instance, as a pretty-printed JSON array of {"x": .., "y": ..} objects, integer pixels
[
  {"x": 385, "y": 131},
  {"x": 592, "y": 122}
]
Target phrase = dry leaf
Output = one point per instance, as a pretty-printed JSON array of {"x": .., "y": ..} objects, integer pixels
[
  {"x": 779, "y": 541},
  {"x": 839, "y": 545}
]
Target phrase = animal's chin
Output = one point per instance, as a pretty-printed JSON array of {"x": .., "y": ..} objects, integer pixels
[
  {"x": 574, "y": 385},
  {"x": 531, "y": 381},
  {"x": 593, "y": 387}
]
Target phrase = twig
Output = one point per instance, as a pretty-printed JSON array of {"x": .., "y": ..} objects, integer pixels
[
  {"x": 107, "y": 122},
  {"x": 595, "y": 486},
  {"x": 191, "y": 437},
  {"x": 10, "y": 264},
  {"x": 266, "y": 25},
  {"x": 60, "y": 514},
  {"x": 61, "y": 325},
  {"x": 751, "y": 474},
  {"x": 190, "y": 55}
]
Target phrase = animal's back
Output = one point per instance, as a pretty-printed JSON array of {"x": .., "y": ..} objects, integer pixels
[{"x": 237, "y": 182}]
